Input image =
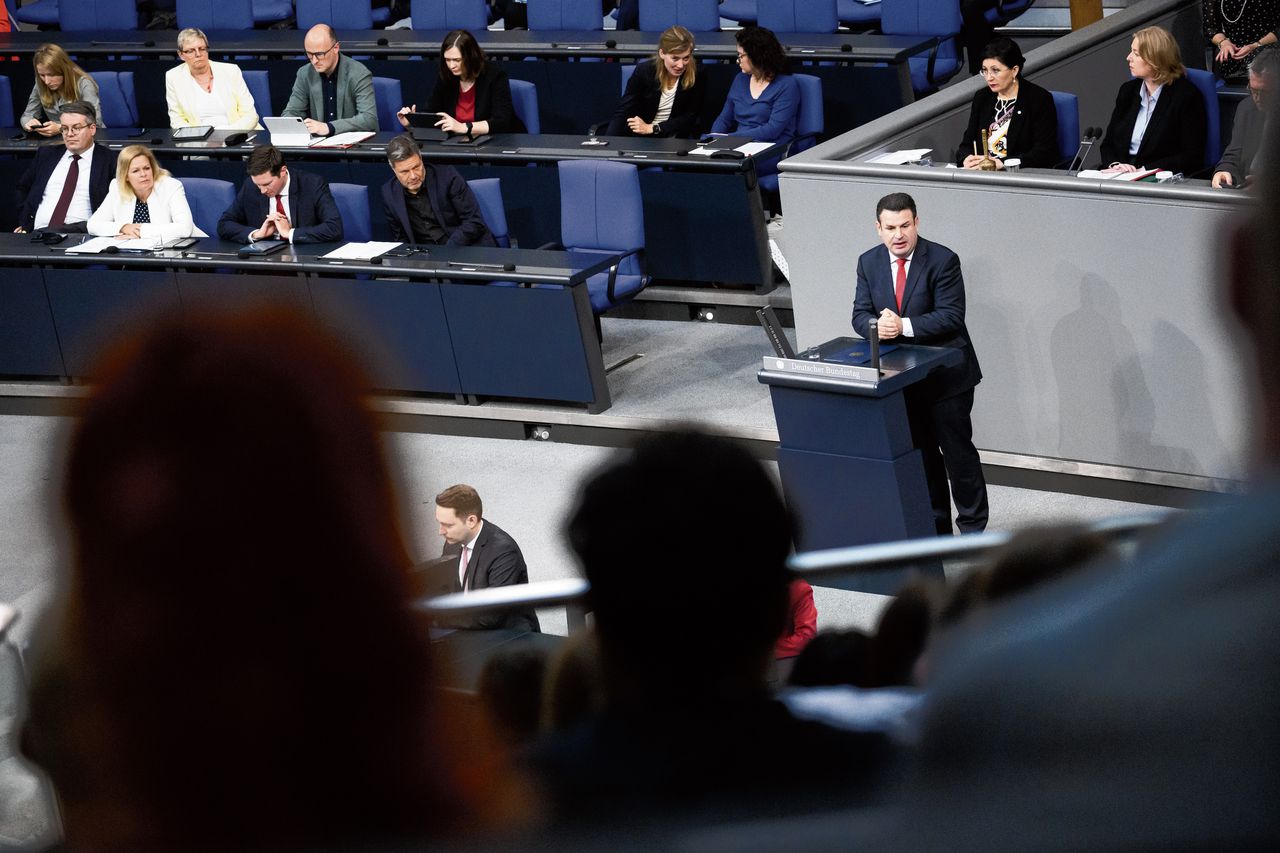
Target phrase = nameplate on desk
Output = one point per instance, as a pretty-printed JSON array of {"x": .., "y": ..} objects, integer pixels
[{"x": 822, "y": 369}]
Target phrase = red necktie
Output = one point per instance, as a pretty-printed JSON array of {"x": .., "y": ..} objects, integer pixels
[
  {"x": 59, "y": 217},
  {"x": 900, "y": 283},
  {"x": 280, "y": 207}
]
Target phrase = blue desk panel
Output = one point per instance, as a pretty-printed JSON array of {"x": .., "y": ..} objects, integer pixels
[
  {"x": 95, "y": 307},
  {"x": 28, "y": 339}
]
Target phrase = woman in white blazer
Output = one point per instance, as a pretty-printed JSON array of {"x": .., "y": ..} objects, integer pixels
[
  {"x": 204, "y": 92},
  {"x": 143, "y": 201}
]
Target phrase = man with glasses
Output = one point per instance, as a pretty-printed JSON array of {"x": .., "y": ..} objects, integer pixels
[
  {"x": 333, "y": 93},
  {"x": 1239, "y": 163},
  {"x": 204, "y": 92},
  {"x": 67, "y": 182}
]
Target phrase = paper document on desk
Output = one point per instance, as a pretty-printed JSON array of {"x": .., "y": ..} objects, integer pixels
[
  {"x": 1107, "y": 175},
  {"x": 102, "y": 244},
  {"x": 360, "y": 251},
  {"x": 899, "y": 158},
  {"x": 343, "y": 140},
  {"x": 748, "y": 149}
]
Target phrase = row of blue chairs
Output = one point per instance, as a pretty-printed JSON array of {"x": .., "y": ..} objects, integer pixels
[{"x": 601, "y": 212}]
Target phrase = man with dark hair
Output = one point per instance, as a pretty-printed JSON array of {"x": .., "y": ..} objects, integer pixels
[
  {"x": 290, "y": 205},
  {"x": 66, "y": 183},
  {"x": 913, "y": 290},
  {"x": 1253, "y": 115},
  {"x": 429, "y": 203},
  {"x": 332, "y": 93},
  {"x": 686, "y": 621},
  {"x": 487, "y": 555}
]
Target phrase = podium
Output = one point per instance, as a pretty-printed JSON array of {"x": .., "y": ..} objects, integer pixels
[{"x": 849, "y": 469}]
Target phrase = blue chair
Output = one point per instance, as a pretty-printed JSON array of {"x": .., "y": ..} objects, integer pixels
[
  {"x": 626, "y": 71},
  {"x": 272, "y": 11},
  {"x": 565, "y": 15},
  {"x": 1067, "y": 106},
  {"x": 260, "y": 88},
  {"x": 6, "y": 104},
  {"x": 386, "y": 91},
  {"x": 1205, "y": 82},
  {"x": 1005, "y": 11},
  {"x": 339, "y": 14},
  {"x": 470, "y": 15},
  {"x": 222, "y": 15},
  {"x": 524, "y": 98},
  {"x": 858, "y": 16},
  {"x": 116, "y": 95},
  {"x": 743, "y": 11},
  {"x": 488, "y": 192},
  {"x": 41, "y": 13},
  {"x": 799, "y": 16},
  {"x": 209, "y": 198},
  {"x": 601, "y": 212},
  {"x": 353, "y": 206},
  {"x": 699, "y": 16},
  {"x": 82, "y": 15},
  {"x": 810, "y": 122},
  {"x": 940, "y": 18}
]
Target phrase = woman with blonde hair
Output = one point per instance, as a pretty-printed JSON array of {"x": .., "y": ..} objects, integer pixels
[
  {"x": 143, "y": 201},
  {"x": 59, "y": 81},
  {"x": 664, "y": 95},
  {"x": 1159, "y": 119}
]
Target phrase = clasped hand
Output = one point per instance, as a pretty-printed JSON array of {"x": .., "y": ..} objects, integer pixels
[
  {"x": 888, "y": 325},
  {"x": 275, "y": 223},
  {"x": 130, "y": 231}
]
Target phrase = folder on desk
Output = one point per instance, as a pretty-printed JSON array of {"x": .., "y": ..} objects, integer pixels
[{"x": 342, "y": 140}]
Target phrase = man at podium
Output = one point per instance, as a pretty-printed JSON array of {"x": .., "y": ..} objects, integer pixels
[{"x": 913, "y": 290}]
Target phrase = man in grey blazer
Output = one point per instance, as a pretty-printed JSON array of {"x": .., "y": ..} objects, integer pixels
[
  {"x": 1239, "y": 161},
  {"x": 332, "y": 93}
]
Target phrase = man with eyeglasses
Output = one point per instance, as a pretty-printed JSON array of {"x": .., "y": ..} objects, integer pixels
[
  {"x": 333, "y": 93},
  {"x": 67, "y": 182},
  {"x": 203, "y": 92},
  {"x": 1239, "y": 163}
]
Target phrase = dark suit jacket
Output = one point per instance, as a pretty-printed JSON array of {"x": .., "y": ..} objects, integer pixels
[
  {"x": 642, "y": 97},
  {"x": 1175, "y": 136},
  {"x": 1246, "y": 139},
  {"x": 495, "y": 561},
  {"x": 1033, "y": 130},
  {"x": 312, "y": 211},
  {"x": 452, "y": 201},
  {"x": 934, "y": 302},
  {"x": 493, "y": 100},
  {"x": 32, "y": 183}
]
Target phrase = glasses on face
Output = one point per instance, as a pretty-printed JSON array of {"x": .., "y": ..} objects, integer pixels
[
  {"x": 320, "y": 54},
  {"x": 194, "y": 51},
  {"x": 69, "y": 129},
  {"x": 741, "y": 56},
  {"x": 992, "y": 72}
]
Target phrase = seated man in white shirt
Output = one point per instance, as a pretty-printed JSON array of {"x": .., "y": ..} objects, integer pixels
[
  {"x": 67, "y": 182},
  {"x": 204, "y": 92}
]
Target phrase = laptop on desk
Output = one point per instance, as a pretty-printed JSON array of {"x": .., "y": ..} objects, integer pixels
[{"x": 288, "y": 131}]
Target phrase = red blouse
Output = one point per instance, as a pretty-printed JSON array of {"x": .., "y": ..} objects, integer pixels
[{"x": 466, "y": 109}]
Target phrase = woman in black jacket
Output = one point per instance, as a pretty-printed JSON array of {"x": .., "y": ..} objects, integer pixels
[
  {"x": 664, "y": 94},
  {"x": 1018, "y": 115},
  {"x": 473, "y": 96}
]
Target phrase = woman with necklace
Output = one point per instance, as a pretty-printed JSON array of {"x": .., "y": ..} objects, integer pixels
[
  {"x": 1238, "y": 29},
  {"x": 1018, "y": 115}
]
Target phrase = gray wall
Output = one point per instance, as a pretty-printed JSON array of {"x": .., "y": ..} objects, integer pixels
[{"x": 1093, "y": 307}]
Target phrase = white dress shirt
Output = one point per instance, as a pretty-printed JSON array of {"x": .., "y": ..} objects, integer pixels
[
  {"x": 1146, "y": 107},
  {"x": 81, "y": 207}
]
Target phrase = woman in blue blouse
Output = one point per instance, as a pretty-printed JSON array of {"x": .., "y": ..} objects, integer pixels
[{"x": 763, "y": 100}]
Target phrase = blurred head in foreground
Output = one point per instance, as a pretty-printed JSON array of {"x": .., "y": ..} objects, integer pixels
[{"x": 234, "y": 662}]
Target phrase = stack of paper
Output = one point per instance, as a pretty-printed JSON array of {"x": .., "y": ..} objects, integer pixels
[{"x": 360, "y": 251}]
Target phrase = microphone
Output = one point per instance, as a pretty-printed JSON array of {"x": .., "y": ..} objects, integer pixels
[
  {"x": 873, "y": 338},
  {"x": 1091, "y": 135},
  {"x": 610, "y": 43}
]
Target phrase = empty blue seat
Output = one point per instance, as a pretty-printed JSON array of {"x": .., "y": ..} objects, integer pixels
[
  {"x": 488, "y": 192},
  {"x": 601, "y": 212},
  {"x": 386, "y": 91},
  {"x": 6, "y": 104},
  {"x": 339, "y": 14},
  {"x": 858, "y": 15},
  {"x": 209, "y": 198},
  {"x": 939, "y": 18},
  {"x": 449, "y": 15},
  {"x": 353, "y": 207},
  {"x": 743, "y": 11},
  {"x": 116, "y": 94},
  {"x": 524, "y": 99},
  {"x": 799, "y": 16},
  {"x": 1206, "y": 83},
  {"x": 41, "y": 13},
  {"x": 260, "y": 88},
  {"x": 83, "y": 15},
  {"x": 1067, "y": 107},
  {"x": 222, "y": 15},
  {"x": 272, "y": 11},
  {"x": 810, "y": 121},
  {"x": 699, "y": 16},
  {"x": 565, "y": 15}
]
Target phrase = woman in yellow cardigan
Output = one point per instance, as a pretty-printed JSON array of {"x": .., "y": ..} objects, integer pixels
[{"x": 204, "y": 92}]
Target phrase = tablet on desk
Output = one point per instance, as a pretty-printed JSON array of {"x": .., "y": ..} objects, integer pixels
[
  {"x": 288, "y": 131},
  {"x": 423, "y": 127},
  {"x": 190, "y": 134}
]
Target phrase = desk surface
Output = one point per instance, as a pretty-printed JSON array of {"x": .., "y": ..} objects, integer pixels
[
  {"x": 456, "y": 263},
  {"x": 847, "y": 47}
]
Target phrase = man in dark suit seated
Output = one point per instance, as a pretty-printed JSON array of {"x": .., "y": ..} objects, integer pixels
[
  {"x": 275, "y": 202},
  {"x": 67, "y": 182},
  {"x": 914, "y": 293},
  {"x": 487, "y": 555},
  {"x": 1239, "y": 161},
  {"x": 430, "y": 203}
]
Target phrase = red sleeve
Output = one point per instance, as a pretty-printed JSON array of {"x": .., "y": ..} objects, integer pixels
[{"x": 802, "y": 624}]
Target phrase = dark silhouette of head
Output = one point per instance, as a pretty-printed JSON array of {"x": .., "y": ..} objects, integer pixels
[
  {"x": 834, "y": 657},
  {"x": 235, "y": 637},
  {"x": 684, "y": 541}
]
